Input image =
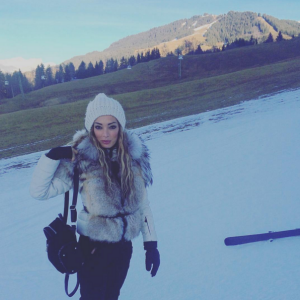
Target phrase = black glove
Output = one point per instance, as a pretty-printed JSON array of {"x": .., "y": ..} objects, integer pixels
[
  {"x": 152, "y": 257},
  {"x": 60, "y": 153}
]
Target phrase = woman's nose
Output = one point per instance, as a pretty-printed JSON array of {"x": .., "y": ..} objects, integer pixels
[{"x": 106, "y": 133}]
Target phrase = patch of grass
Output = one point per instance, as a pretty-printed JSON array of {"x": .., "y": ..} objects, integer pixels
[{"x": 42, "y": 128}]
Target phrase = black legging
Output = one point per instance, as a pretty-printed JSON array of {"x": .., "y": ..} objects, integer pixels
[{"x": 104, "y": 270}]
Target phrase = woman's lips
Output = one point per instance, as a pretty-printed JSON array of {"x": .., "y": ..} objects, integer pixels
[{"x": 106, "y": 142}]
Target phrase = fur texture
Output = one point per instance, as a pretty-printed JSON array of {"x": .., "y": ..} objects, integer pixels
[{"x": 106, "y": 218}]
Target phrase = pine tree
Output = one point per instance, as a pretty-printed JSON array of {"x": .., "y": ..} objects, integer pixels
[
  {"x": 90, "y": 71},
  {"x": 49, "y": 76},
  {"x": 99, "y": 68},
  {"x": 67, "y": 74},
  {"x": 153, "y": 54},
  {"x": 10, "y": 87},
  {"x": 72, "y": 70},
  {"x": 56, "y": 77},
  {"x": 138, "y": 58},
  {"x": 148, "y": 56},
  {"x": 109, "y": 66},
  {"x": 37, "y": 78},
  {"x": 23, "y": 84},
  {"x": 123, "y": 63},
  {"x": 157, "y": 53},
  {"x": 15, "y": 83},
  {"x": 61, "y": 74},
  {"x": 81, "y": 71},
  {"x": 39, "y": 73},
  {"x": 115, "y": 65},
  {"x": 269, "y": 39},
  {"x": 3, "y": 93},
  {"x": 27, "y": 87},
  {"x": 132, "y": 60},
  {"x": 43, "y": 75},
  {"x": 279, "y": 37}
]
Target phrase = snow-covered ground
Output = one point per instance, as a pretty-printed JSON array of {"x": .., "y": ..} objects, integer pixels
[{"x": 228, "y": 172}]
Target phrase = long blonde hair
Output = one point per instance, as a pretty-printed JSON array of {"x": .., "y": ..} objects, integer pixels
[{"x": 124, "y": 160}]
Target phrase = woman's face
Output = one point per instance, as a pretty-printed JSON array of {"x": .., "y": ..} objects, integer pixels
[{"x": 106, "y": 129}]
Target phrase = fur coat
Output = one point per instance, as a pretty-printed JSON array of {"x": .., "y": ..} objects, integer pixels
[{"x": 106, "y": 216}]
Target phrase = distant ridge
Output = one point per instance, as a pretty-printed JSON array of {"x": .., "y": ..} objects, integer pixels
[
  {"x": 149, "y": 39},
  {"x": 206, "y": 30}
]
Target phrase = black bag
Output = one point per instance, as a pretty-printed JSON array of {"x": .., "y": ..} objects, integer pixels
[{"x": 62, "y": 247}]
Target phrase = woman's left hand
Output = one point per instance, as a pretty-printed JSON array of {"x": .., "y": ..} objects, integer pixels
[{"x": 152, "y": 257}]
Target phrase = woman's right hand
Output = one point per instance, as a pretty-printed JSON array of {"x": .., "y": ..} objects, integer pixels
[{"x": 61, "y": 153}]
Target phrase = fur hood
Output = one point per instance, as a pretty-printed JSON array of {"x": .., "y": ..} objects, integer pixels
[{"x": 137, "y": 150}]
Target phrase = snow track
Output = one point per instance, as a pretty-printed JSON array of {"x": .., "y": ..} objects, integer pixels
[{"x": 228, "y": 172}]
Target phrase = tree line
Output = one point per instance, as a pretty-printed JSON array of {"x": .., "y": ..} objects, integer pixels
[
  {"x": 188, "y": 48},
  {"x": 44, "y": 77},
  {"x": 17, "y": 83},
  {"x": 14, "y": 84},
  {"x": 289, "y": 27}
]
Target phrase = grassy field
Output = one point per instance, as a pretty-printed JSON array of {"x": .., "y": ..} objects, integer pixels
[
  {"x": 150, "y": 92},
  {"x": 155, "y": 74},
  {"x": 41, "y": 128}
]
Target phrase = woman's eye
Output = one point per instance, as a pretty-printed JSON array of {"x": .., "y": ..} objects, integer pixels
[
  {"x": 98, "y": 127},
  {"x": 113, "y": 127}
]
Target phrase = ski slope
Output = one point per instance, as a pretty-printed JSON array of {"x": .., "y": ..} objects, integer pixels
[{"x": 232, "y": 171}]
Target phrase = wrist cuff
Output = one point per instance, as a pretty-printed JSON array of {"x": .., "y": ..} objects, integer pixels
[{"x": 150, "y": 245}]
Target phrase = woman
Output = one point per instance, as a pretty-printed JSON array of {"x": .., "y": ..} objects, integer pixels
[{"x": 114, "y": 172}]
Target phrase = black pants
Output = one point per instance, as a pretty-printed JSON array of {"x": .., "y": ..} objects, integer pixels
[{"x": 104, "y": 270}]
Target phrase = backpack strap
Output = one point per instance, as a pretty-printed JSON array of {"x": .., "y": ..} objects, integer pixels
[
  {"x": 66, "y": 207},
  {"x": 73, "y": 219},
  {"x": 75, "y": 194},
  {"x": 67, "y": 283},
  {"x": 74, "y": 201}
]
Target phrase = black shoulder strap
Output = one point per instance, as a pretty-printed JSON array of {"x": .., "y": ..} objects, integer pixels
[
  {"x": 74, "y": 201},
  {"x": 75, "y": 194},
  {"x": 73, "y": 219},
  {"x": 66, "y": 207}
]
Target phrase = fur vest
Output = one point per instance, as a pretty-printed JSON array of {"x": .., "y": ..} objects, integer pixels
[{"x": 108, "y": 217}]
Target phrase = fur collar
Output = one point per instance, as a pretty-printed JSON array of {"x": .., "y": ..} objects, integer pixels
[{"x": 136, "y": 148}]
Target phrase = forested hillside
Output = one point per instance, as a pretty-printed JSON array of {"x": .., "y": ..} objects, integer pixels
[
  {"x": 236, "y": 25},
  {"x": 149, "y": 39},
  {"x": 289, "y": 27},
  {"x": 217, "y": 30}
]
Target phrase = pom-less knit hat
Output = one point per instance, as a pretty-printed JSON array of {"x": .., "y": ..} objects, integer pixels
[{"x": 103, "y": 106}]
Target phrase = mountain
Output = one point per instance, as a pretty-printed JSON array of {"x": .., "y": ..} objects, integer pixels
[
  {"x": 20, "y": 63},
  {"x": 148, "y": 39},
  {"x": 205, "y": 30}
]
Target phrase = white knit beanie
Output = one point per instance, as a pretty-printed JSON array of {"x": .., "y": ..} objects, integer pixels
[{"x": 103, "y": 106}]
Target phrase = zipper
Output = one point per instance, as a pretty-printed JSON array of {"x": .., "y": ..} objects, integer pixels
[{"x": 146, "y": 221}]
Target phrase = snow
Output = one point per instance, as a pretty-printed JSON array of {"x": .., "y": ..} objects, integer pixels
[
  {"x": 228, "y": 172},
  {"x": 206, "y": 25}
]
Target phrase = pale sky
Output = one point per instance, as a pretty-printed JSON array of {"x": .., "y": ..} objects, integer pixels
[{"x": 57, "y": 30}]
